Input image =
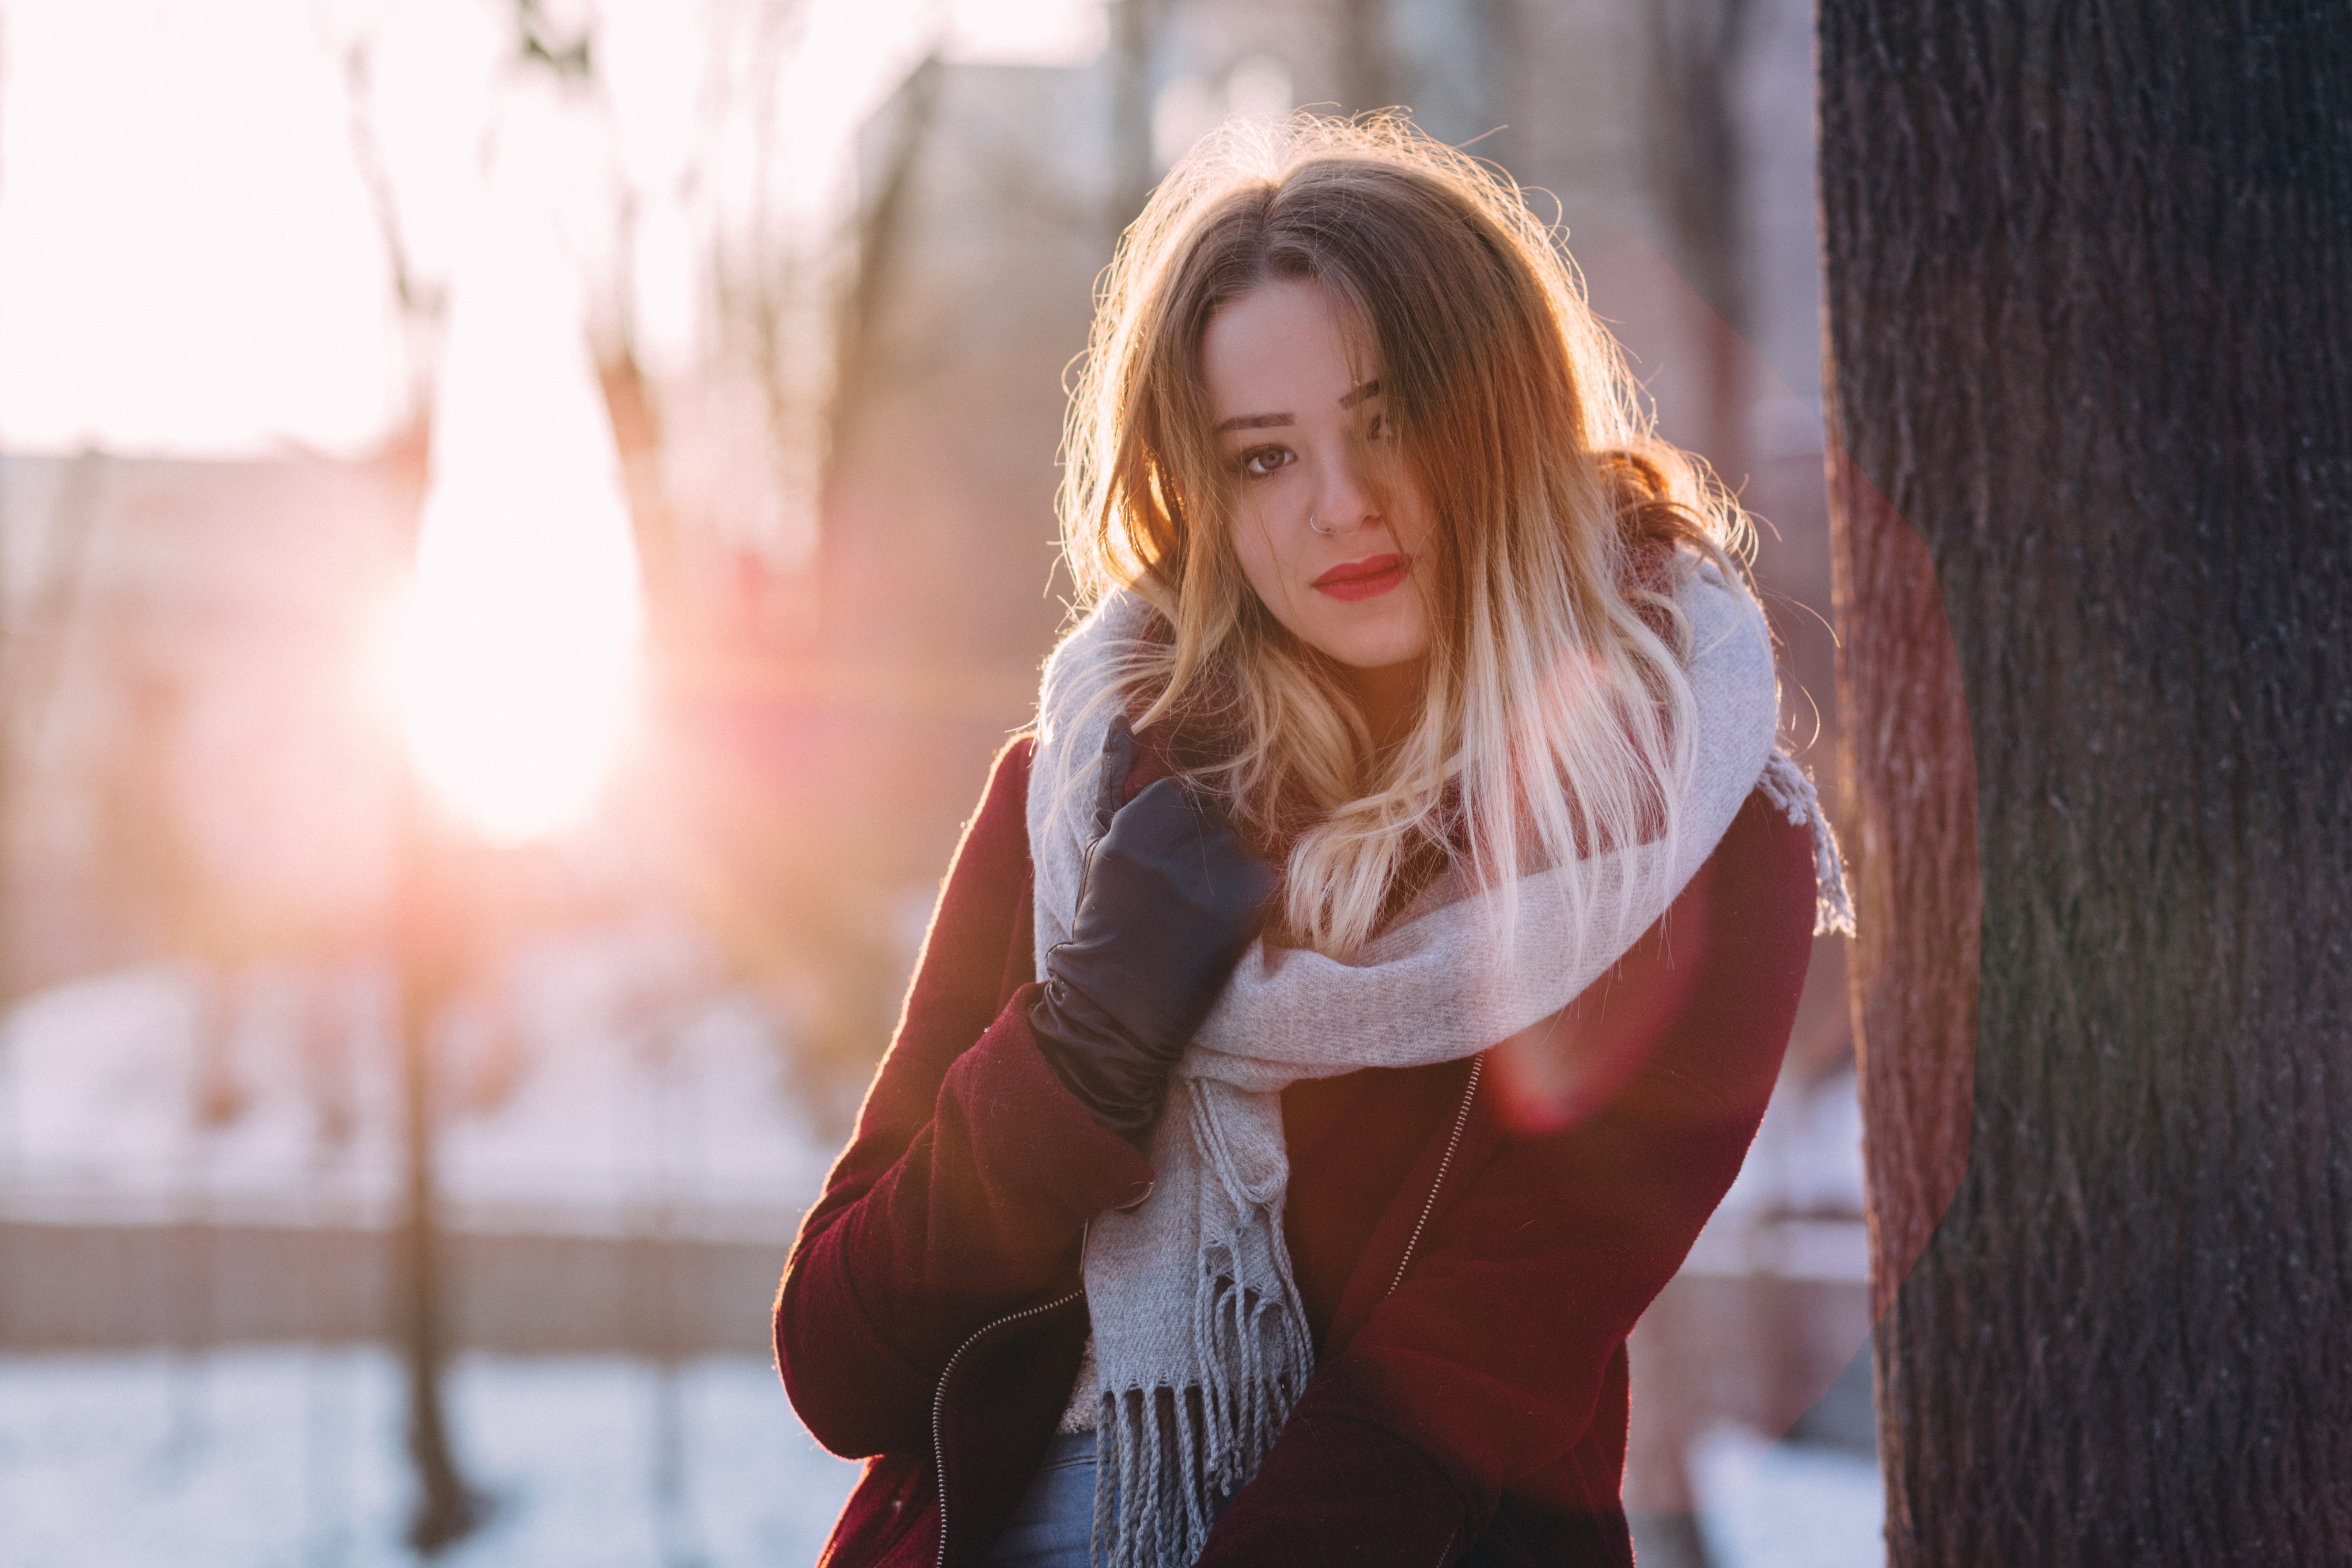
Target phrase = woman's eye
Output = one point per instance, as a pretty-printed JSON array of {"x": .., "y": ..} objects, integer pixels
[
  {"x": 1378, "y": 428},
  {"x": 1260, "y": 461}
]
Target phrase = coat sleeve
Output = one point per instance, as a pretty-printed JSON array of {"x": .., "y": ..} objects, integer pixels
[
  {"x": 1485, "y": 1372},
  {"x": 966, "y": 1189}
]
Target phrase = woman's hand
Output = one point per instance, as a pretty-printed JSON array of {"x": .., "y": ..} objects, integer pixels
[{"x": 1169, "y": 901}]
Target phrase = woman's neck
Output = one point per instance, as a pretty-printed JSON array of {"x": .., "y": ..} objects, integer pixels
[{"x": 1391, "y": 698}]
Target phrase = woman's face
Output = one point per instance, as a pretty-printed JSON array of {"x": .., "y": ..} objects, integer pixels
[{"x": 1330, "y": 529}]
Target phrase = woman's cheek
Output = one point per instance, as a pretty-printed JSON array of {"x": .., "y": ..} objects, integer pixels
[{"x": 1254, "y": 543}]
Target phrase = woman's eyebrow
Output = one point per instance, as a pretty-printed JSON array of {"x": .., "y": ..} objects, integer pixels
[{"x": 1268, "y": 421}]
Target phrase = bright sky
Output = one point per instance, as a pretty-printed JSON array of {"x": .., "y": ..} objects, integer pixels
[{"x": 189, "y": 261}]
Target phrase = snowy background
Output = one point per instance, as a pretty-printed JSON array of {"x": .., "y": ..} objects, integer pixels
[
  {"x": 607, "y": 1078},
  {"x": 292, "y": 1455},
  {"x": 610, "y": 1086}
]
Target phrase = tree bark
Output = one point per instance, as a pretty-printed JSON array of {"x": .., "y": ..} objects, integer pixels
[
  {"x": 2089, "y": 272},
  {"x": 1911, "y": 853}
]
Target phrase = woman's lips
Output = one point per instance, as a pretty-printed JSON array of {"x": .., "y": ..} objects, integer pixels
[{"x": 1365, "y": 579}]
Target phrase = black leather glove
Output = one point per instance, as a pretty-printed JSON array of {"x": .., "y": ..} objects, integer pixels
[{"x": 1168, "y": 903}]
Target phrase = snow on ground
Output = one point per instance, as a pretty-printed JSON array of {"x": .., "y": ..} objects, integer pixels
[
  {"x": 262, "y": 1458},
  {"x": 612, "y": 1076}
]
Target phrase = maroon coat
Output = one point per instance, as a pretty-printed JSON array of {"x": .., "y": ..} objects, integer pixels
[{"x": 931, "y": 1317}]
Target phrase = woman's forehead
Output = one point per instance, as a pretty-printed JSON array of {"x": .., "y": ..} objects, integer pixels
[{"x": 1282, "y": 353}]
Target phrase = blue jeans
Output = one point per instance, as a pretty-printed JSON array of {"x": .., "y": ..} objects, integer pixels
[{"x": 1055, "y": 1524}]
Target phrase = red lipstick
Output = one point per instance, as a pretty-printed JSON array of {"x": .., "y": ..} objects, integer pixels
[{"x": 1365, "y": 579}]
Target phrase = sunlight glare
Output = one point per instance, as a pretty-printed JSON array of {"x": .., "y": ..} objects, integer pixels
[{"x": 519, "y": 649}]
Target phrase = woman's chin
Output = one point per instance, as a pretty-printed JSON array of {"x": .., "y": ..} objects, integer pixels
[
  {"x": 1375, "y": 657},
  {"x": 1367, "y": 643}
]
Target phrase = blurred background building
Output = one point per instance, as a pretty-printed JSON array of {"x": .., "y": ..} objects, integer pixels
[{"x": 833, "y": 264}]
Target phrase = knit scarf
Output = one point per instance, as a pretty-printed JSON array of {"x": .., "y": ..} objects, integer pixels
[{"x": 1201, "y": 1343}]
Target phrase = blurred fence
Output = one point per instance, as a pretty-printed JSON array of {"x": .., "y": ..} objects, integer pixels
[{"x": 138, "y": 1287}]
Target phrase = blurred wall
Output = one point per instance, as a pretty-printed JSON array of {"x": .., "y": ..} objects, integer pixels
[{"x": 191, "y": 763}]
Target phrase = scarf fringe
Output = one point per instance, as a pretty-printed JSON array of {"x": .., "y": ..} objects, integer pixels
[
  {"x": 1147, "y": 1500},
  {"x": 1163, "y": 1454},
  {"x": 1791, "y": 788}
]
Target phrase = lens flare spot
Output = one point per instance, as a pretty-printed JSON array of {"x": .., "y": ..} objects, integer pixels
[{"x": 515, "y": 654}]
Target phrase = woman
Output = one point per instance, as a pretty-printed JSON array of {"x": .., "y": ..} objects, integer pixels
[{"x": 1344, "y": 1011}]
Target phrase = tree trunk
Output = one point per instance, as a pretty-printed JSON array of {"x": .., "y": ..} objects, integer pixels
[
  {"x": 446, "y": 1509},
  {"x": 2089, "y": 273}
]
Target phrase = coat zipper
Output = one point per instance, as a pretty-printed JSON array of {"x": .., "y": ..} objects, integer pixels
[
  {"x": 940, "y": 1401},
  {"x": 1461, "y": 1119}
]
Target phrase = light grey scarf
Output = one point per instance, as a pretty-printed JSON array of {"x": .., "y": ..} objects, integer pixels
[{"x": 1200, "y": 1340}]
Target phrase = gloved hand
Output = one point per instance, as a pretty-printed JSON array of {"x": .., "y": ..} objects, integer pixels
[{"x": 1168, "y": 903}]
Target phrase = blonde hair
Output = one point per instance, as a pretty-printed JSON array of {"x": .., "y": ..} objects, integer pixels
[{"x": 1557, "y": 719}]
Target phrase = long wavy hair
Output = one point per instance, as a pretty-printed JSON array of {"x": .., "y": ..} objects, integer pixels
[{"x": 1557, "y": 717}]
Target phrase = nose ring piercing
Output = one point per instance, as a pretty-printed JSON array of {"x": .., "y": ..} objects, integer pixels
[{"x": 1311, "y": 523}]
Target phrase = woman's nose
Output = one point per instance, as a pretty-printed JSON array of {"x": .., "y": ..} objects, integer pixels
[{"x": 1345, "y": 502}]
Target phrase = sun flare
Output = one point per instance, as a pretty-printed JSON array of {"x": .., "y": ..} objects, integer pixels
[{"x": 516, "y": 651}]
